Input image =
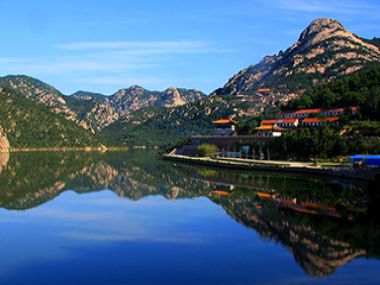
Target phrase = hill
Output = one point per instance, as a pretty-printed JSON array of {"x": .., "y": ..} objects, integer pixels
[
  {"x": 100, "y": 111},
  {"x": 27, "y": 124},
  {"x": 167, "y": 126},
  {"x": 43, "y": 93},
  {"x": 324, "y": 51},
  {"x": 94, "y": 111}
]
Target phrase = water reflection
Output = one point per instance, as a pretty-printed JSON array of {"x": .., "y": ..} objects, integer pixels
[{"x": 323, "y": 225}]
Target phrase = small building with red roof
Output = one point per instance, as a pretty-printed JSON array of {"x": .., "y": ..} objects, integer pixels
[
  {"x": 288, "y": 123},
  {"x": 264, "y": 91},
  {"x": 268, "y": 131},
  {"x": 225, "y": 127},
  {"x": 317, "y": 122},
  {"x": 269, "y": 122}
]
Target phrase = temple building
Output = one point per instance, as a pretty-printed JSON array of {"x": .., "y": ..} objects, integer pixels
[
  {"x": 265, "y": 131},
  {"x": 225, "y": 127}
]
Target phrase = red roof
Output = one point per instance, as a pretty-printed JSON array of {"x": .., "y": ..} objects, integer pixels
[
  {"x": 318, "y": 110},
  {"x": 268, "y": 122},
  {"x": 308, "y": 111},
  {"x": 302, "y": 111},
  {"x": 263, "y": 90},
  {"x": 319, "y": 120},
  {"x": 224, "y": 121},
  {"x": 289, "y": 121}
]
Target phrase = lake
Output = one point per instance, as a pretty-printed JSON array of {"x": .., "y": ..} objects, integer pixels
[{"x": 129, "y": 218}]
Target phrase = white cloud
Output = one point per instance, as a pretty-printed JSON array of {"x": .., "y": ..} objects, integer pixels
[
  {"x": 146, "y": 47},
  {"x": 59, "y": 66},
  {"x": 109, "y": 57},
  {"x": 323, "y": 6},
  {"x": 136, "y": 45}
]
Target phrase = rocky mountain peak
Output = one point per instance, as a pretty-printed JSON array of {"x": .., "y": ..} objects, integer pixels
[
  {"x": 321, "y": 30},
  {"x": 136, "y": 89},
  {"x": 322, "y": 26},
  {"x": 324, "y": 51}
]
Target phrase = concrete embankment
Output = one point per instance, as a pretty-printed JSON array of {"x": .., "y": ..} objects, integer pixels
[{"x": 324, "y": 169}]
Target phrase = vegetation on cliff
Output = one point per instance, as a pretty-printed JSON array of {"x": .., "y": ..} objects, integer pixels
[{"x": 31, "y": 125}]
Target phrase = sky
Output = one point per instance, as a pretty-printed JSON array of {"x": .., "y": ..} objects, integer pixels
[{"x": 102, "y": 46}]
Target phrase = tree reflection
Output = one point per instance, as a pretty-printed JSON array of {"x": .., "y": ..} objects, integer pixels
[{"x": 322, "y": 224}]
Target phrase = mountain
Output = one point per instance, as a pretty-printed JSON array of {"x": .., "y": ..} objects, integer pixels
[
  {"x": 100, "y": 111},
  {"x": 90, "y": 112},
  {"x": 167, "y": 126},
  {"x": 40, "y": 92},
  {"x": 27, "y": 124},
  {"x": 324, "y": 51},
  {"x": 95, "y": 111}
]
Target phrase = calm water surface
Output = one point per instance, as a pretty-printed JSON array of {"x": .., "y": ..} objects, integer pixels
[{"x": 128, "y": 218}]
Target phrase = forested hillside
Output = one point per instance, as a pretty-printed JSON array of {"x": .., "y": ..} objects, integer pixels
[
  {"x": 29, "y": 124},
  {"x": 360, "y": 89}
]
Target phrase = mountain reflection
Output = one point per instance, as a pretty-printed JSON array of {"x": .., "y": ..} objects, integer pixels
[{"x": 323, "y": 225}]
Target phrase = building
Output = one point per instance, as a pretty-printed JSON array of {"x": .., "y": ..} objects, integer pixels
[
  {"x": 264, "y": 91},
  {"x": 318, "y": 122},
  {"x": 305, "y": 113},
  {"x": 225, "y": 127},
  {"x": 288, "y": 123},
  {"x": 268, "y": 122},
  {"x": 265, "y": 131}
]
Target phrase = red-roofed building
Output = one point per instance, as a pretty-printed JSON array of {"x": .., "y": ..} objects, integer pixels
[
  {"x": 269, "y": 122},
  {"x": 264, "y": 91},
  {"x": 305, "y": 113},
  {"x": 317, "y": 122},
  {"x": 225, "y": 127},
  {"x": 288, "y": 123},
  {"x": 268, "y": 131}
]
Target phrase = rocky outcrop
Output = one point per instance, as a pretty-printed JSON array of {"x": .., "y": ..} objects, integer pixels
[
  {"x": 4, "y": 143},
  {"x": 324, "y": 51},
  {"x": 4, "y": 158}
]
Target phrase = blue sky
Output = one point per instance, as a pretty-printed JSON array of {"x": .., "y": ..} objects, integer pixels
[{"x": 103, "y": 46}]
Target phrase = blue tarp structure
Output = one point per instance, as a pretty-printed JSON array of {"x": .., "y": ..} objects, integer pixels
[{"x": 366, "y": 159}]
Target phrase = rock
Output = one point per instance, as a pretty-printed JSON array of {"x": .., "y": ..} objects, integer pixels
[
  {"x": 4, "y": 158},
  {"x": 4, "y": 143}
]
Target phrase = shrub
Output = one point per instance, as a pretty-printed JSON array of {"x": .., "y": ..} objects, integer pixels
[{"x": 207, "y": 150}]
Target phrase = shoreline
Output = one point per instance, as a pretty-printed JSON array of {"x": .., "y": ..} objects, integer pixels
[
  {"x": 65, "y": 149},
  {"x": 82, "y": 149},
  {"x": 328, "y": 169}
]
